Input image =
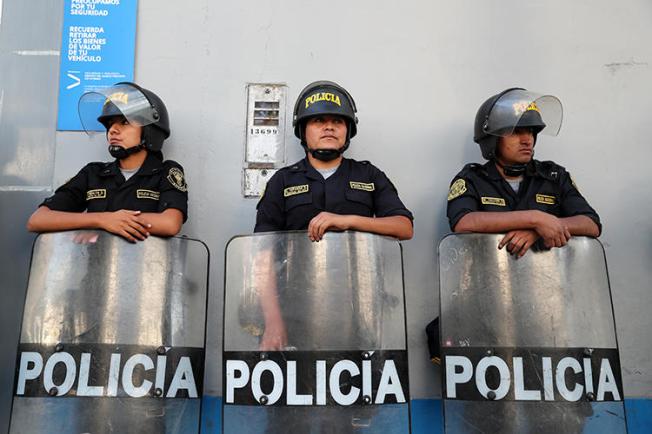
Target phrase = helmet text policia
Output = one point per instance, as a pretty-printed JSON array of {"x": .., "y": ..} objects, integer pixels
[
  {"x": 515, "y": 108},
  {"x": 324, "y": 98},
  {"x": 138, "y": 105}
]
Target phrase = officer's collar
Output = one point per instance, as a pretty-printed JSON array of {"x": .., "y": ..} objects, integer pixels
[
  {"x": 152, "y": 164},
  {"x": 312, "y": 173},
  {"x": 532, "y": 169},
  {"x": 492, "y": 171}
]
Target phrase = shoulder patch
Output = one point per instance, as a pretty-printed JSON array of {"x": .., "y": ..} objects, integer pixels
[
  {"x": 457, "y": 189},
  {"x": 362, "y": 186},
  {"x": 296, "y": 189},
  {"x": 176, "y": 178}
]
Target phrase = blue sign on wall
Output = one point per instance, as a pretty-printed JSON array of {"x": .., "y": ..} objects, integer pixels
[{"x": 97, "y": 50}]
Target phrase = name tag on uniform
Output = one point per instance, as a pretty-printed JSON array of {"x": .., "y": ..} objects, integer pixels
[
  {"x": 545, "y": 199},
  {"x": 148, "y": 194},
  {"x": 98, "y": 193},
  {"x": 498, "y": 201},
  {"x": 296, "y": 189},
  {"x": 362, "y": 186}
]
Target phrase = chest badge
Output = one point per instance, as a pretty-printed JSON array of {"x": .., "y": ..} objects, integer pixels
[
  {"x": 98, "y": 193},
  {"x": 362, "y": 186},
  {"x": 296, "y": 189},
  {"x": 545, "y": 199},
  {"x": 147, "y": 194},
  {"x": 457, "y": 189},
  {"x": 498, "y": 201},
  {"x": 176, "y": 178}
]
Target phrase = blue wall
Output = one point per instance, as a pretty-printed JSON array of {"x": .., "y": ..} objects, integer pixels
[{"x": 427, "y": 415}]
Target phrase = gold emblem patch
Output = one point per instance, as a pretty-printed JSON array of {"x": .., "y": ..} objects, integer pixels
[
  {"x": 98, "y": 193},
  {"x": 543, "y": 198},
  {"x": 524, "y": 106},
  {"x": 499, "y": 201},
  {"x": 457, "y": 189},
  {"x": 148, "y": 194},
  {"x": 362, "y": 186},
  {"x": 296, "y": 189},
  {"x": 120, "y": 97},
  {"x": 175, "y": 176}
]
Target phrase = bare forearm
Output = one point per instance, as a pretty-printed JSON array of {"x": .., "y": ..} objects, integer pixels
[
  {"x": 581, "y": 225},
  {"x": 265, "y": 284},
  {"x": 46, "y": 220},
  {"x": 394, "y": 226},
  {"x": 165, "y": 224},
  {"x": 496, "y": 222}
]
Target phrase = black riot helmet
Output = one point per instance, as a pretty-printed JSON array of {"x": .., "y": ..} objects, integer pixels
[
  {"x": 138, "y": 105},
  {"x": 324, "y": 98},
  {"x": 515, "y": 108}
]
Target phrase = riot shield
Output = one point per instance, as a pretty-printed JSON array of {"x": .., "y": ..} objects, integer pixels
[
  {"x": 113, "y": 336},
  {"x": 528, "y": 345},
  {"x": 314, "y": 335}
]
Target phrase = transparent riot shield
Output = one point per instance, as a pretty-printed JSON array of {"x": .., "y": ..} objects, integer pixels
[
  {"x": 314, "y": 335},
  {"x": 113, "y": 336},
  {"x": 528, "y": 345}
]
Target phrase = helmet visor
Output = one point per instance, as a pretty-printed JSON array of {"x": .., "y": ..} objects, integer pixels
[
  {"x": 523, "y": 109},
  {"x": 97, "y": 106}
]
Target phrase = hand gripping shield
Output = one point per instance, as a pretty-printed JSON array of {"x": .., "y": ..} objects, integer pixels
[
  {"x": 314, "y": 335},
  {"x": 528, "y": 345},
  {"x": 113, "y": 336}
]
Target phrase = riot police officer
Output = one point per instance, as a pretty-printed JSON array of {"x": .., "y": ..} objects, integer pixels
[
  {"x": 528, "y": 199},
  {"x": 326, "y": 191},
  {"x": 136, "y": 195}
]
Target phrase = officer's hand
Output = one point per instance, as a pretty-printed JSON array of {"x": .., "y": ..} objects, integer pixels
[
  {"x": 126, "y": 223},
  {"x": 275, "y": 337},
  {"x": 519, "y": 241},
  {"x": 553, "y": 231},
  {"x": 84, "y": 237},
  {"x": 324, "y": 221}
]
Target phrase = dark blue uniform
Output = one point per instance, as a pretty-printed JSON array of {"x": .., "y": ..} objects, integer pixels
[
  {"x": 297, "y": 193},
  {"x": 546, "y": 186},
  {"x": 99, "y": 187}
]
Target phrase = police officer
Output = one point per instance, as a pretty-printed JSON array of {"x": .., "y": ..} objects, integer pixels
[
  {"x": 326, "y": 191},
  {"x": 136, "y": 195},
  {"x": 322, "y": 192},
  {"x": 528, "y": 199}
]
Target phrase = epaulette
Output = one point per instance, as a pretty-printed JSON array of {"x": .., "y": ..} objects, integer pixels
[
  {"x": 472, "y": 167},
  {"x": 548, "y": 169}
]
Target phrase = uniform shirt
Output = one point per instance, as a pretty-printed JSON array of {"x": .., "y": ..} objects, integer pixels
[
  {"x": 546, "y": 186},
  {"x": 297, "y": 193},
  {"x": 100, "y": 187}
]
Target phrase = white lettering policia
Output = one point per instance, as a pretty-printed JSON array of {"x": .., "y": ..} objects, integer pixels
[
  {"x": 460, "y": 372},
  {"x": 327, "y": 384},
  {"x": 119, "y": 378}
]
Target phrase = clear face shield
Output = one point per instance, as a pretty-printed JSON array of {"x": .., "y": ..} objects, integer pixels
[
  {"x": 97, "y": 106},
  {"x": 523, "y": 109}
]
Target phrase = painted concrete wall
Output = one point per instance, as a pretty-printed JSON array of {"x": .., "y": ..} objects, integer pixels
[{"x": 418, "y": 71}]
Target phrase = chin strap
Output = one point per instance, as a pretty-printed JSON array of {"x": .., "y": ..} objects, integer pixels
[
  {"x": 513, "y": 170},
  {"x": 327, "y": 154},
  {"x": 121, "y": 153}
]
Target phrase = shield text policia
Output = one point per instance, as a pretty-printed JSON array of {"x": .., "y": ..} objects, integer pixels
[
  {"x": 529, "y": 344},
  {"x": 113, "y": 336},
  {"x": 314, "y": 335}
]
